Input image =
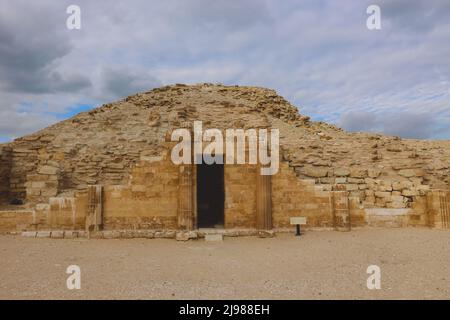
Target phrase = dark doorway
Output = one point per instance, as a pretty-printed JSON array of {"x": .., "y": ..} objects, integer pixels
[{"x": 210, "y": 196}]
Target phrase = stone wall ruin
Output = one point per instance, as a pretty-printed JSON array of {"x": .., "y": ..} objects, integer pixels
[{"x": 333, "y": 178}]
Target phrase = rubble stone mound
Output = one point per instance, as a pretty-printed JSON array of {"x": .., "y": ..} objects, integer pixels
[{"x": 119, "y": 144}]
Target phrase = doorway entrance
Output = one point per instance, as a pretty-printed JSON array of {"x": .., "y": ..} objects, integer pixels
[{"x": 210, "y": 196}]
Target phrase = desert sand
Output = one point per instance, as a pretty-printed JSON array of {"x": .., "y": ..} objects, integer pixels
[{"x": 414, "y": 262}]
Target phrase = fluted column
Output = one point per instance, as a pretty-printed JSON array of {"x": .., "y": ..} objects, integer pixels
[
  {"x": 263, "y": 201},
  {"x": 94, "y": 219},
  {"x": 341, "y": 211},
  {"x": 185, "y": 197}
]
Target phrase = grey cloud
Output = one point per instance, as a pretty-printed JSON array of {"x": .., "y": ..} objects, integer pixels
[
  {"x": 415, "y": 15},
  {"x": 406, "y": 125},
  {"x": 14, "y": 123},
  {"x": 121, "y": 82},
  {"x": 358, "y": 121},
  {"x": 32, "y": 43},
  {"x": 231, "y": 14},
  {"x": 44, "y": 80},
  {"x": 417, "y": 126},
  {"x": 318, "y": 54}
]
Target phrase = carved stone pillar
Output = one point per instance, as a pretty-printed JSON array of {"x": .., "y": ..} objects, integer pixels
[
  {"x": 186, "y": 198},
  {"x": 94, "y": 218},
  {"x": 263, "y": 201},
  {"x": 438, "y": 209},
  {"x": 341, "y": 210}
]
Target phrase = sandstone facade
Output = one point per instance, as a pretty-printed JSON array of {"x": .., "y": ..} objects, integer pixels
[{"x": 334, "y": 178}]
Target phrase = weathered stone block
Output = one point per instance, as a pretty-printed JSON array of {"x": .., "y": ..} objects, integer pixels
[
  {"x": 37, "y": 184},
  {"x": 49, "y": 192},
  {"x": 48, "y": 170},
  {"x": 341, "y": 172},
  {"x": 382, "y": 194},
  {"x": 317, "y": 172},
  {"x": 186, "y": 235},
  {"x": 43, "y": 234},
  {"x": 408, "y": 173},
  {"x": 29, "y": 234},
  {"x": 397, "y": 198},
  {"x": 70, "y": 234},
  {"x": 351, "y": 187},
  {"x": 266, "y": 233},
  {"x": 57, "y": 234},
  {"x": 373, "y": 173},
  {"x": 410, "y": 193},
  {"x": 341, "y": 180},
  {"x": 358, "y": 173}
]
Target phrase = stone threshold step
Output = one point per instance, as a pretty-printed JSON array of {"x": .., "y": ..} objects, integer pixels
[
  {"x": 208, "y": 235},
  {"x": 56, "y": 234}
]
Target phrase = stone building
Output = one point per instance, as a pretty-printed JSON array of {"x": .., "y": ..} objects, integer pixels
[{"x": 109, "y": 172}]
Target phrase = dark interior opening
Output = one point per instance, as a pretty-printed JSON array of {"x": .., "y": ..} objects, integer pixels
[{"x": 210, "y": 196}]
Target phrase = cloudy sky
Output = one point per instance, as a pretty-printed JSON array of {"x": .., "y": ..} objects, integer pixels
[{"x": 318, "y": 54}]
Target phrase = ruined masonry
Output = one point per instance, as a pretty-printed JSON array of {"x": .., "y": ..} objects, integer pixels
[{"x": 108, "y": 173}]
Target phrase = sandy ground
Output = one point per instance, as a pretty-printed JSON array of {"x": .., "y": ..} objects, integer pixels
[{"x": 415, "y": 263}]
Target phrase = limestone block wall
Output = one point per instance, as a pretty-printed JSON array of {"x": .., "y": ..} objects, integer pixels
[
  {"x": 44, "y": 183},
  {"x": 295, "y": 197},
  {"x": 367, "y": 184},
  {"x": 16, "y": 220},
  {"x": 418, "y": 215},
  {"x": 356, "y": 211},
  {"x": 382, "y": 217},
  {"x": 63, "y": 213},
  {"x": 5, "y": 172},
  {"x": 150, "y": 201},
  {"x": 24, "y": 162},
  {"x": 240, "y": 196}
]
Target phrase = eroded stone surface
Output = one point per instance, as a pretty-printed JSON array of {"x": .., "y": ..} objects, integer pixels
[{"x": 123, "y": 146}]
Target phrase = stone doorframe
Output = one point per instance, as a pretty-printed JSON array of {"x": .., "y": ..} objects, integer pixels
[
  {"x": 263, "y": 201},
  {"x": 187, "y": 204},
  {"x": 186, "y": 208}
]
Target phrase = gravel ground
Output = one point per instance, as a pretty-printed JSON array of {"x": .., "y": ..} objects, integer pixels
[{"x": 415, "y": 263}]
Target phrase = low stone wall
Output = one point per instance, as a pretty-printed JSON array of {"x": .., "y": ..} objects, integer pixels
[
  {"x": 17, "y": 220},
  {"x": 382, "y": 217},
  {"x": 293, "y": 197},
  {"x": 64, "y": 213},
  {"x": 150, "y": 201}
]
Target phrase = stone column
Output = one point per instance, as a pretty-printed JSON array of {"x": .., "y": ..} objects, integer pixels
[
  {"x": 438, "y": 207},
  {"x": 186, "y": 197},
  {"x": 341, "y": 211},
  {"x": 94, "y": 219},
  {"x": 263, "y": 201},
  {"x": 444, "y": 199}
]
